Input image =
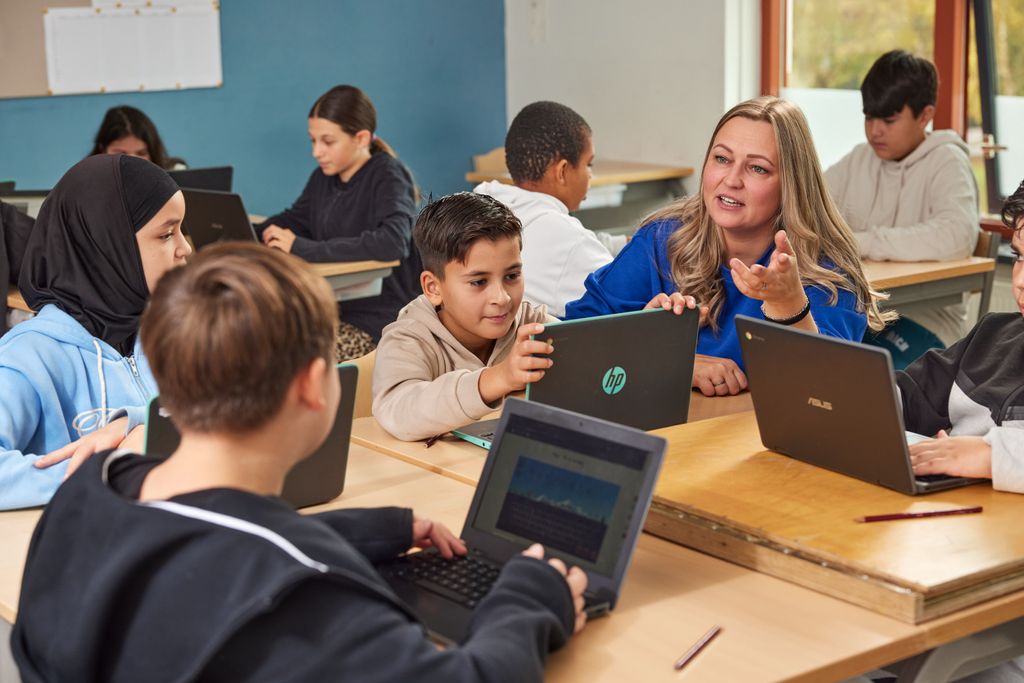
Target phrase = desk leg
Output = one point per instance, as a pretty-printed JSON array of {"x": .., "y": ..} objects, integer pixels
[
  {"x": 966, "y": 656},
  {"x": 8, "y": 671}
]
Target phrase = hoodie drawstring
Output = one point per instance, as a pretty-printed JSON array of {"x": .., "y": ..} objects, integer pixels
[{"x": 89, "y": 421}]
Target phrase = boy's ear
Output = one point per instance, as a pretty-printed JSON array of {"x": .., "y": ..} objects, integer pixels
[
  {"x": 559, "y": 169},
  {"x": 926, "y": 116},
  {"x": 431, "y": 286},
  {"x": 311, "y": 384}
]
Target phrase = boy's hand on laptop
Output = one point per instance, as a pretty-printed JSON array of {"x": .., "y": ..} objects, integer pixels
[
  {"x": 78, "y": 451},
  {"x": 426, "y": 533},
  {"x": 957, "y": 456},
  {"x": 777, "y": 285},
  {"x": 676, "y": 303},
  {"x": 575, "y": 577},
  {"x": 520, "y": 367},
  {"x": 717, "y": 376},
  {"x": 279, "y": 238}
]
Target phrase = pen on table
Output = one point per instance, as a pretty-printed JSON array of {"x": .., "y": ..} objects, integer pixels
[
  {"x": 434, "y": 439},
  {"x": 697, "y": 647},
  {"x": 918, "y": 515}
]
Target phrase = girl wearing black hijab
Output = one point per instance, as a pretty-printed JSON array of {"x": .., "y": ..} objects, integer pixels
[{"x": 74, "y": 378}]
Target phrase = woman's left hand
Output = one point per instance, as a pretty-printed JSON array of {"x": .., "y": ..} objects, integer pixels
[
  {"x": 777, "y": 285},
  {"x": 279, "y": 238}
]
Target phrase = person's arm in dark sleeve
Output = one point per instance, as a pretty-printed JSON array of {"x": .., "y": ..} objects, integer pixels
[
  {"x": 377, "y": 533},
  {"x": 387, "y": 238},
  {"x": 297, "y": 217},
  {"x": 16, "y": 227},
  {"x": 925, "y": 386},
  {"x": 328, "y": 630}
]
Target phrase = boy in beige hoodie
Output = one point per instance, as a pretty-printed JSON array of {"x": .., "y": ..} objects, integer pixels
[
  {"x": 909, "y": 195},
  {"x": 459, "y": 348}
]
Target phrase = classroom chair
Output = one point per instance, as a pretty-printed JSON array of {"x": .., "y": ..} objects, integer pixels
[
  {"x": 364, "y": 385},
  {"x": 988, "y": 246}
]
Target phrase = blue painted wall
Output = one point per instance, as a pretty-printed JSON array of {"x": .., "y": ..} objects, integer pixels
[{"x": 435, "y": 71}]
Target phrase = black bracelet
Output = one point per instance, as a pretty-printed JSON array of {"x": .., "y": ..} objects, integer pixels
[{"x": 792, "y": 320}]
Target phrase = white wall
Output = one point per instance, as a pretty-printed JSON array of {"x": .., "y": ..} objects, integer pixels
[{"x": 652, "y": 77}]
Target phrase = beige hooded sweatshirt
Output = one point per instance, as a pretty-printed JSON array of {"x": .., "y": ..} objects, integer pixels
[
  {"x": 424, "y": 381},
  {"x": 921, "y": 208}
]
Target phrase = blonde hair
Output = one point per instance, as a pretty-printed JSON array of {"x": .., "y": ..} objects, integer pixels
[{"x": 812, "y": 222}]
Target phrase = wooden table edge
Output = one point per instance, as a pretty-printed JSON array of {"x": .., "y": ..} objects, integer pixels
[
  {"x": 982, "y": 265},
  {"x": 423, "y": 464}
]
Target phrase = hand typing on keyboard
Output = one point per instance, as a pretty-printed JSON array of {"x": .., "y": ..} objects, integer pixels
[
  {"x": 959, "y": 456},
  {"x": 575, "y": 577},
  {"x": 427, "y": 533}
]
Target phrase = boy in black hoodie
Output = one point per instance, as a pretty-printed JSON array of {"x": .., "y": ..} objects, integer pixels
[{"x": 191, "y": 568}]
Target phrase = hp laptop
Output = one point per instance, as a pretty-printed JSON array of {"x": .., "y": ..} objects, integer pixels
[
  {"x": 317, "y": 479},
  {"x": 215, "y": 216},
  {"x": 578, "y": 485},
  {"x": 632, "y": 368},
  {"x": 213, "y": 178},
  {"x": 831, "y": 403}
]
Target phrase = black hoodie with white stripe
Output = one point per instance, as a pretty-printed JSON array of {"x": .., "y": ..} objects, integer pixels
[
  {"x": 974, "y": 388},
  {"x": 223, "y": 585}
]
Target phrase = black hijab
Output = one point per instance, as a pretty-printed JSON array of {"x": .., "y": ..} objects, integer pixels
[{"x": 83, "y": 255}]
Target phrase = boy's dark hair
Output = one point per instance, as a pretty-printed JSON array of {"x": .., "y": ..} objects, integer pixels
[
  {"x": 1013, "y": 208},
  {"x": 448, "y": 227},
  {"x": 899, "y": 79},
  {"x": 226, "y": 334},
  {"x": 541, "y": 134}
]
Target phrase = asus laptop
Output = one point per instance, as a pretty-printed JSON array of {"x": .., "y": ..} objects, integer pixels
[
  {"x": 215, "y": 216},
  {"x": 317, "y": 479},
  {"x": 832, "y": 403},
  {"x": 578, "y": 485},
  {"x": 632, "y": 368},
  {"x": 213, "y": 178}
]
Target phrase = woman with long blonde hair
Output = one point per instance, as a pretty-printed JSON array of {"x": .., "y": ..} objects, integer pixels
[{"x": 762, "y": 238}]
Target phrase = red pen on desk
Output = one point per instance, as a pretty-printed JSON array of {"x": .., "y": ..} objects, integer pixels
[
  {"x": 697, "y": 647},
  {"x": 918, "y": 515},
  {"x": 434, "y": 439}
]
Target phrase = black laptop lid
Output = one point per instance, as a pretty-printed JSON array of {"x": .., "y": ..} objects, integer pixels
[
  {"x": 213, "y": 178},
  {"x": 578, "y": 485},
  {"x": 632, "y": 368},
  {"x": 317, "y": 479},
  {"x": 826, "y": 401},
  {"x": 211, "y": 217}
]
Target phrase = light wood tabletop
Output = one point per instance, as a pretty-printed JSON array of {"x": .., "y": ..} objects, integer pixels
[
  {"x": 349, "y": 267},
  {"x": 15, "y": 300},
  {"x": 722, "y": 492},
  {"x": 462, "y": 461},
  {"x": 605, "y": 172},
  {"x": 884, "y": 275}
]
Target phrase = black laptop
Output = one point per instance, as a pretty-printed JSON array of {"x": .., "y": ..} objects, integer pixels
[
  {"x": 212, "y": 217},
  {"x": 632, "y": 368},
  {"x": 578, "y": 485},
  {"x": 213, "y": 178},
  {"x": 832, "y": 403},
  {"x": 317, "y": 479}
]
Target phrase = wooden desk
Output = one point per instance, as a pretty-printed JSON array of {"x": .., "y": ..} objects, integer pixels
[
  {"x": 462, "y": 461},
  {"x": 647, "y": 187},
  {"x": 939, "y": 282},
  {"x": 15, "y": 301},
  {"x": 721, "y": 492}
]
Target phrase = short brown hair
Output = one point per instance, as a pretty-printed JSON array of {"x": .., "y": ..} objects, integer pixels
[
  {"x": 448, "y": 227},
  {"x": 1013, "y": 208},
  {"x": 226, "y": 334}
]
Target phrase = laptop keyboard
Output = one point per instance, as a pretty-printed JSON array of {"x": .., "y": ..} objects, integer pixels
[
  {"x": 465, "y": 580},
  {"x": 930, "y": 478}
]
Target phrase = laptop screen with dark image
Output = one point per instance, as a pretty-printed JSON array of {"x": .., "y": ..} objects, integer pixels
[{"x": 574, "y": 493}]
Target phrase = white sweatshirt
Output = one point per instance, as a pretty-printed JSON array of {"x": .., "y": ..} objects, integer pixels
[
  {"x": 558, "y": 252},
  {"x": 922, "y": 208}
]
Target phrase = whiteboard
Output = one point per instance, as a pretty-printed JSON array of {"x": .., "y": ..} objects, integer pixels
[{"x": 115, "y": 47}]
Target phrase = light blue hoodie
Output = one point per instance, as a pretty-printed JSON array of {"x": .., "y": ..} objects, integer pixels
[{"x": 57, "y": 384}]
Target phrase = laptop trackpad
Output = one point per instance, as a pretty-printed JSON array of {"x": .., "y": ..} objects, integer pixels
[{"x": 448, "y": 622}]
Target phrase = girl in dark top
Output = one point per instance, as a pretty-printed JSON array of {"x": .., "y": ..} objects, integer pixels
[
  {"x": 357, "y": 206},
  {"x": 126, "y": 130}
]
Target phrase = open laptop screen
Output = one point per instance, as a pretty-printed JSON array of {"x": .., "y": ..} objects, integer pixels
[{"x": 573, "y": 492}]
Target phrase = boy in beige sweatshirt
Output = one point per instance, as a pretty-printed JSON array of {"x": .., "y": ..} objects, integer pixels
[{"x": 459, "y": 348}]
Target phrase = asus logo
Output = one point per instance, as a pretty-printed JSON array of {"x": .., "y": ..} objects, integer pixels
[{"x": 818, "y": 403}]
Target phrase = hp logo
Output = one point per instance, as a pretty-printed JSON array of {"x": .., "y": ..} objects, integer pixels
[{"x": 613, "y": 380}]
